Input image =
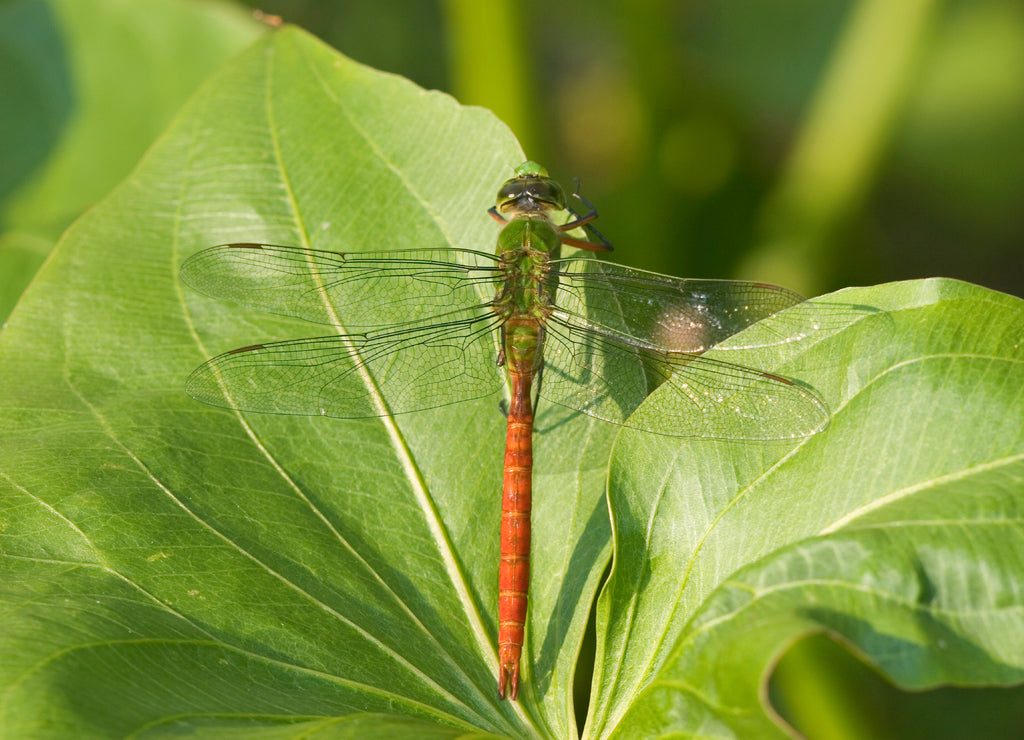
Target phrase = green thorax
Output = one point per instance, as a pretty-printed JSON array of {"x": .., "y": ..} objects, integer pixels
[
  {"x": 526, "y": 287},
  {"x": 529, "y": 240}
]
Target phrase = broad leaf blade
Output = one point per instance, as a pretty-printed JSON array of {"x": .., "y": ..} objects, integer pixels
[
  {"x": 169, "y": 562},
  {"x": 897, "y": 528}
]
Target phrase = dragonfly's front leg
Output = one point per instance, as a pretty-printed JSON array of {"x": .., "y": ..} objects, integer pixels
[
  {"x": 586, "y": 222},
  {"x": 580, "y": 219}
]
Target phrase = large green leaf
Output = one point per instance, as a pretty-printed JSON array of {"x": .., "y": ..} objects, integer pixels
[
  {"x": 171, "y": 567},
  {"x": 898, "y": 529},
  {"x": 168, "y": 560}
]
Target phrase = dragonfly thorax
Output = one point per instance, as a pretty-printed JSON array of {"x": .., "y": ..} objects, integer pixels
[{"x": 526, "y": 288}]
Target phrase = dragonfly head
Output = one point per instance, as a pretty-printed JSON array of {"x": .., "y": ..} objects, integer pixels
[{"x": 530, "y": 191}]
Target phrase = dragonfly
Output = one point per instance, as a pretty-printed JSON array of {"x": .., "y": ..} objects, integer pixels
[{"x": 583, "y": 333}]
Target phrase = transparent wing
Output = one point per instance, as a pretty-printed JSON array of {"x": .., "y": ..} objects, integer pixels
[
  {"x": 616, "y": 334},
  {"x": 354, "y": 289},
  {"x": 660, "y": 312},
  {"x": 413, "y": 368},
  {"x": 606, "y": 376}
]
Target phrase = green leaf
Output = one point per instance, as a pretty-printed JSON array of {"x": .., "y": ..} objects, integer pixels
[
  {"x": 897, "y": 529},
  {"x": 171, "y": 567},
  {"x": 87, "y": 85},
  {"x": 167, "y": 561}
]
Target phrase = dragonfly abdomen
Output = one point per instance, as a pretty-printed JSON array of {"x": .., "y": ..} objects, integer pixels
[{"x": 514, "y": 569}]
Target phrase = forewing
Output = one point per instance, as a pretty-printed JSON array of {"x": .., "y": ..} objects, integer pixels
[
  {"x": 660, "y": 312},
  {"x": 363, "y": 375},
  {"x": 351, "y": 289},
  {"x": 696, "y": 396}
]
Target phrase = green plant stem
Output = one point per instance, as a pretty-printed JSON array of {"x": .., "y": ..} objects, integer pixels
[{"x": 488, "y": 62}]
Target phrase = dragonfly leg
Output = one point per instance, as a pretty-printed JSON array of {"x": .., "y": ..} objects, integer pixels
[
  {"x": 493, "y": 211},
  {"x": 585, "y": 220}
]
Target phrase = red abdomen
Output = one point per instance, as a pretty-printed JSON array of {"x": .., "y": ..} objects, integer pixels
[{"x": 514, "y": 571}]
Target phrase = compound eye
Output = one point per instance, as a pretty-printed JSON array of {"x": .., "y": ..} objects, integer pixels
[
  {"x": 547, "y": 191},
  {"x": 510, "y": 192}
]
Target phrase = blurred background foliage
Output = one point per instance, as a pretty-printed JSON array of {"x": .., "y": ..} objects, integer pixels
[
  {"x": 85, "y": 88},
  {"x": 813, "y": 143}
]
